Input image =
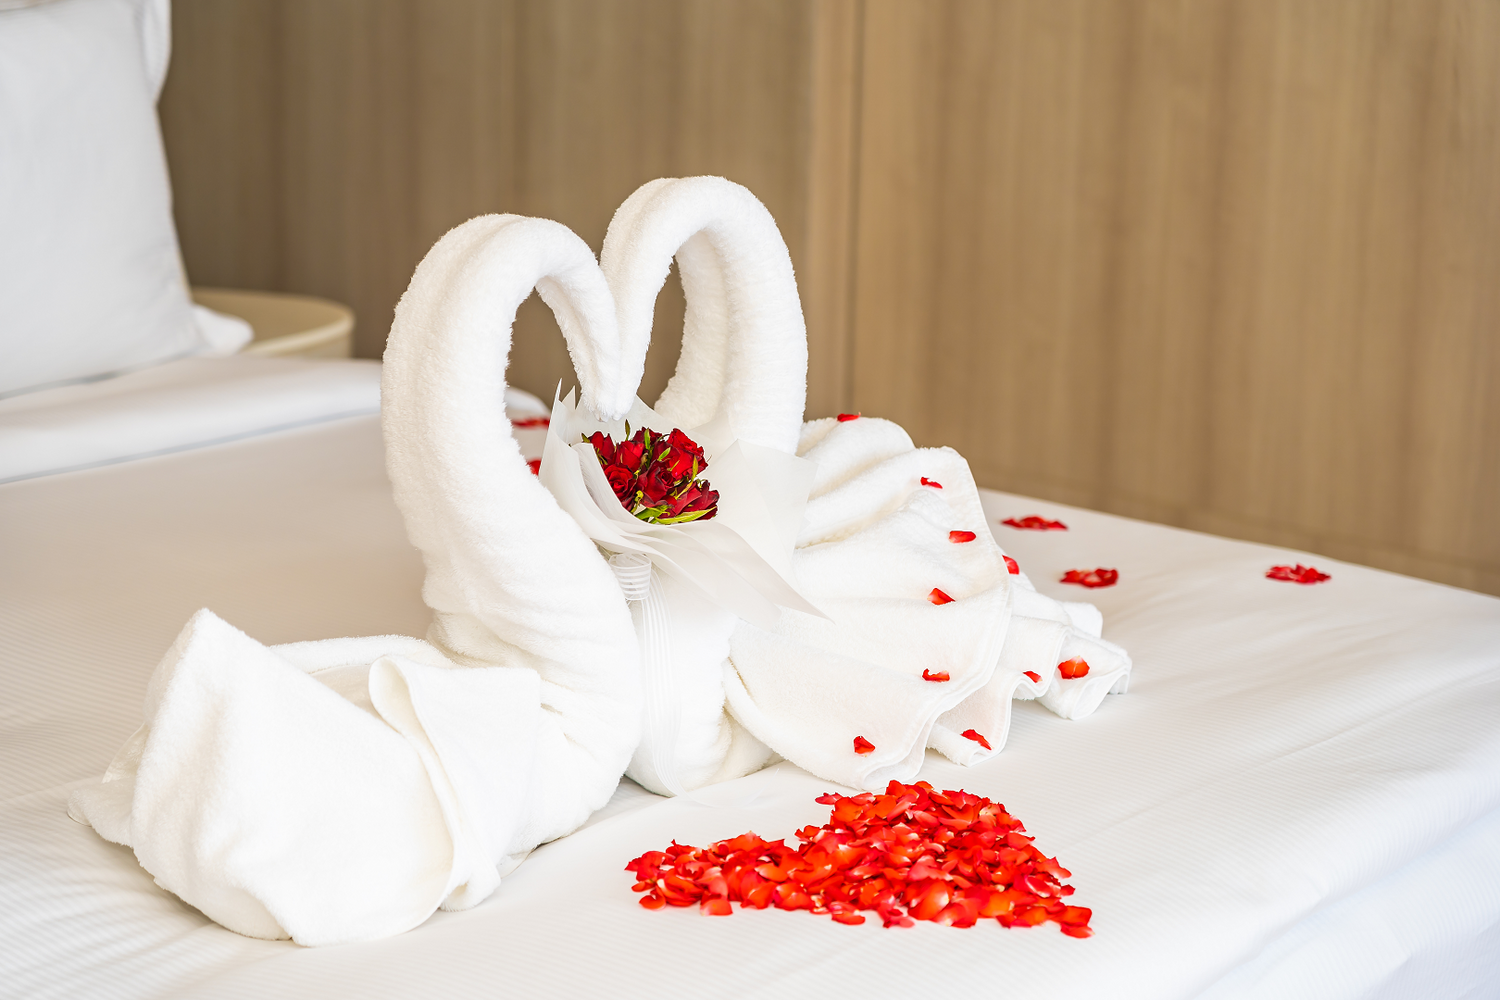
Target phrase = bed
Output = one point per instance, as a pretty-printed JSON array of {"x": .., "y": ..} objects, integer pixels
[{"x": 1298, "y": 797}]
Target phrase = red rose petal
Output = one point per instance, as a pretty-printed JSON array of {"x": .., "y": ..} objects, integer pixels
[
  {"x": 938, "y": 597},
  {"x": 1092, "y": 577},
  {"x": 1076, "y": 667},
  {"x": 846, "y": 417},
  {"x": 1012, "y": 565},
  {"x": 862, "y": 745},
  {"x": 912, "y": 853},
  {"x": 961, "y": 536},
  {"x": 970, "y": 734},
  {"x": 931, "y": 482},
  {"x": 526, "y": 422},
  {"x": 1296, "y": 574},
  {"x": 939, "y": 677},
  {"x": 535, "y": 465},
  {"x": 1034, "y": 523},
  {"x": 1035, "y": 677}
]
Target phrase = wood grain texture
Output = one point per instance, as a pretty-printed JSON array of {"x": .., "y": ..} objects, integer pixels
[
  {"x": 1227, "y": 264},
  {"x": 1231, "y": 265},
  {"x": 323, "y": 147}
]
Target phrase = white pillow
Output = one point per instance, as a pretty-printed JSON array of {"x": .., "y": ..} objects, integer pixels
[{"x": 91, "y": 281}]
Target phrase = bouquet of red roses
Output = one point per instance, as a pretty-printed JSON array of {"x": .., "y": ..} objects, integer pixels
[{"x": 655, "y": 476}]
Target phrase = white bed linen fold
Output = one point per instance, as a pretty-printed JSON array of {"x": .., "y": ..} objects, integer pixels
[
  {"x": 190, "y": 403},
  {"x": 1292, "y": 763}
]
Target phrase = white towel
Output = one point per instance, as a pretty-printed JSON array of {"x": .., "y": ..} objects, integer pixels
[
  {"x": 342, "y": 790},
  {"x": 875, "y": 544},
  {"x": 877, "y": 540},
  {"x": 872, "y": 548},
  {"x": 744, "y": 343},
  {"x": 743, "y": 362}
]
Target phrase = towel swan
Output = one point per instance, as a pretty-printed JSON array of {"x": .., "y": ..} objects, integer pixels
[
  {"x": 342, "y": 790},
  {"x": 744, "y": 360},
  {"x": 872, "y": 548}
]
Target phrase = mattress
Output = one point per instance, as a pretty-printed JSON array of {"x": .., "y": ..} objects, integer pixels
[{"x": 1300, "y": 795}]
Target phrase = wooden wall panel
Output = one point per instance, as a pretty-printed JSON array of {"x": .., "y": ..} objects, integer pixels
[
  {"x": 1232, "y": 265},
  {"x": 1228, "y": 264},
  {"x": 323, "y": 147}
]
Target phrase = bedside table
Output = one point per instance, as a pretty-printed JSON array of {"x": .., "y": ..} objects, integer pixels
[{"x": 286, "y": 324}]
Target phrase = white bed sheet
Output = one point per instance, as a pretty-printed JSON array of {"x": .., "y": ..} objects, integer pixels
[
  {"x": 1297, "y": 798},
  {"x": 181, "y": 405}
]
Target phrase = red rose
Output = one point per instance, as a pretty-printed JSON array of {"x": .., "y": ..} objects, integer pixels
[
  {"x": 621, "y": 480},
  {"x": 604, "y": 447},
  {"x": 706, "y": 499},
  {"x": 653, "y": 486},
  {"x": 630, "y": 452},
  {"x": 681, "y": 465},
  {"x": 681, "y": 442}
]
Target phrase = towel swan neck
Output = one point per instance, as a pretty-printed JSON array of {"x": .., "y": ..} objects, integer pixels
[
  {"x": 502, "y": 558},
  {"x": 744, "y": 342}
]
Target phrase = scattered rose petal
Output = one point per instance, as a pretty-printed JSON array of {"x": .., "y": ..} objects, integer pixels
[
  {"x": 1296, "y": 574},
  {"x": 1092, "y": 577},
  {"x": 862, "y": 745},
  {"x": 1036, "y": 678},
  {"x": 938, "y": 597},
  {"x": 1076, "y": 667},
  {"x": 961, "y": 536},
  {"x": 1012, "y": 565},
  {"x": 931, "y": 482},
  {"x": 941, "y": 676},
  {"x": 846, "y": 417},
  {"x": 526, "y": 422},
  {"x": 1034, "y": 523},
  {"x": 970, "y": 734},
  {"x": 535, "y": 465},
  {"x": 912, "y": 853}
]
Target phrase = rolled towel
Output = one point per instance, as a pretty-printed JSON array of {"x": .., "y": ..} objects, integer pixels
[{"x": 343, "y": 789}]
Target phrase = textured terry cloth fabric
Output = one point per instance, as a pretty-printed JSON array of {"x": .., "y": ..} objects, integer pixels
[
  {"x": 875, "y": 543},
  {"x": 744, "y": 361},
  {"x": 744, "y": 343},
  {"x": 342, "y": 790},
  {"x": 1297, "y": 783},
  {"x": 190, "y": 403}
]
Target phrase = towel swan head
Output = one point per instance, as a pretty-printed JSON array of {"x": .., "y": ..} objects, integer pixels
[
  {"x": 744, "y": 342},
  {"x": 510, "y": 576}
]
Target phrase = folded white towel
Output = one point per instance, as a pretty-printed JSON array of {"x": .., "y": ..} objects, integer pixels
[
  {"x": 844, "y": 698},
  {"x": 342, "y": 790},
  {"x": 875, "y": 546},
  {"x": 743, "y": 363},
  {"x": 892, "y": 533}
]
